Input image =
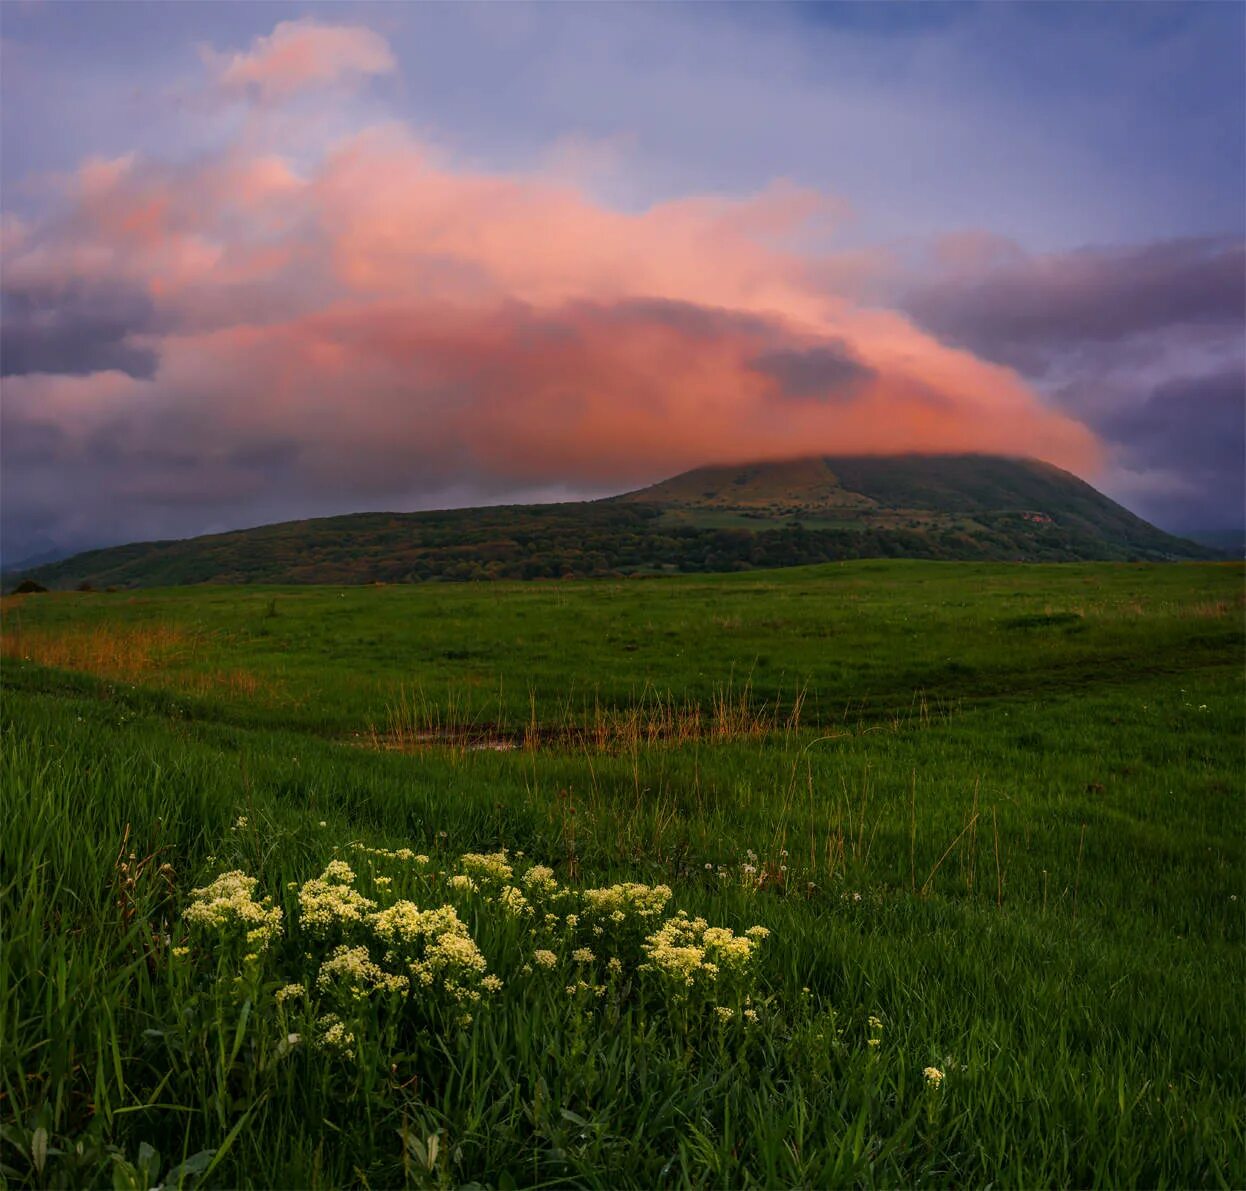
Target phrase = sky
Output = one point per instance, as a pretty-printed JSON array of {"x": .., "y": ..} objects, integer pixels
[{"x": 267, "y": 261}]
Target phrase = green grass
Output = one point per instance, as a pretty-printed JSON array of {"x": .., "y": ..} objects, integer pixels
[{"x": 1010, "y": 820}]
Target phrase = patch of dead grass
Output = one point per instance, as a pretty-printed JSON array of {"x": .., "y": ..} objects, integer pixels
[{"x": 152, "y": 653}]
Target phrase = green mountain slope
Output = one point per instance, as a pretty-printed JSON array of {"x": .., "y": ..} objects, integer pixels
[
  {"x": 819, "y": 509},
  {"x": 935, "y": 490}
]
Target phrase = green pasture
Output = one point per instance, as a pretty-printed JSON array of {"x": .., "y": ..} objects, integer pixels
[
  {"x": 1005, "y": 825},
  {"x": 856, "y": 640}
]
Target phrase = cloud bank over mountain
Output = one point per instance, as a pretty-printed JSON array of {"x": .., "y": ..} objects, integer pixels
[{"x": 312, "y": 305}]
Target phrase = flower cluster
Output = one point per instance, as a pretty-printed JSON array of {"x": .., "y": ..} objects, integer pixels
[
  {"x": 228, "y": 906},
  {"x": 379, "y": 961},
  {"x": 331, "y": 901},
  {"x": 539, "y": 881},
  {"x": 618, "y": 902},
  {"x": 514, "y": 902},
  {"x": 451, "y": 960},
  {"x": 335, "y": 1037},
  {"x": 406, "y": 855},
  {"x": 349, "y": 973},
  {"x": 690, "y": 952},
  {"x": 404, "y": 923},
  {"x": 492, "y": 865},
  {"x": 436, "y": 949}
]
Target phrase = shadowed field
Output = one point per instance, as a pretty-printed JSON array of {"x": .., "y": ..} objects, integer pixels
[{"x": 989, "y": 816}]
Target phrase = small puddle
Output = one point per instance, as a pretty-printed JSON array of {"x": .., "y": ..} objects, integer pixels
[
  {"x": 570, "y": 739},
  {"x": 411, "y": 742}
]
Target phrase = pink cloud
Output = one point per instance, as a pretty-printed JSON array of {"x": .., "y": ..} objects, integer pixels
[{"x": 301, "y": 54}]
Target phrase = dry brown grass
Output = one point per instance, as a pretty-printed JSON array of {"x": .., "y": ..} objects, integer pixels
[
  {"x": 112, "y": 651},
  {"x": 157, "y": 654}
]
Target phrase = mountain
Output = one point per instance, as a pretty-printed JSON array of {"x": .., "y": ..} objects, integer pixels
[
  {"x": 721, "y": 518},
  {"x": 935, "y": 492},
  {"x": 37, "y": 558}
]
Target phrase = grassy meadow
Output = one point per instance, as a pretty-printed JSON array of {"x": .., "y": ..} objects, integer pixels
[{"x": 445, "y": 885}]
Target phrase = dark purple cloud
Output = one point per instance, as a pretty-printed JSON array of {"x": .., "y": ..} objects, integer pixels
[
  {"x": 75, "y": 328},
  {"x": 689, "y": 319},
  {"x": 1031, "y": 310},
  {"x": 826, "y": 372},
  {"x": 1194, "y": 430},
  {"x": 829, "y": 370},
  {"x": 1146, "y": 344},
  {"x": 1196, "y": 423}
]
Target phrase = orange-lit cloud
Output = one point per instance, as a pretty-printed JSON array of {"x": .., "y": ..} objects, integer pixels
[{"x": 379, "y": 320}]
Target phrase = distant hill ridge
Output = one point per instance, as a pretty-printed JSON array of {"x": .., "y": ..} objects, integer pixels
[{"x": 717, "y": 518}]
